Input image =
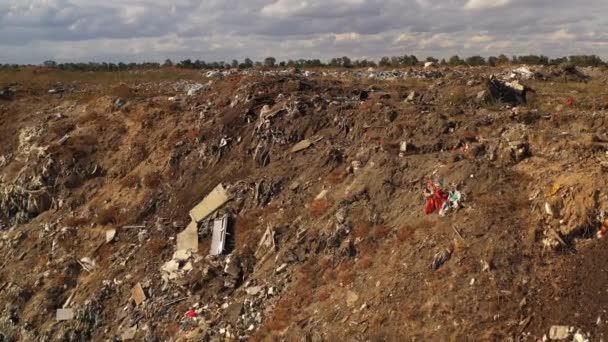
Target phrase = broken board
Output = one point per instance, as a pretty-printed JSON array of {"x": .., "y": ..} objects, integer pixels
[
  {"x": 302, "y": 145},
  {"x": 138, "y": 294},
  {"x": 218, "y": 240},
  {"x": 65, "y": 314},
  {"x": 216, "y": 198},
  {"x": 188, "y": 238}
]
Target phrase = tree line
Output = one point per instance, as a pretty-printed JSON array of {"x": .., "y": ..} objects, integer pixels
[{"x": 342, "y": 62}]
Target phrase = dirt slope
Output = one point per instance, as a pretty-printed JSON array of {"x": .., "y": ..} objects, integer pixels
[{"x": 351, "y": 248}]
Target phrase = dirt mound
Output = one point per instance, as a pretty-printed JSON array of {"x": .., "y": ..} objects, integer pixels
[{"x": 114, "y": 224}]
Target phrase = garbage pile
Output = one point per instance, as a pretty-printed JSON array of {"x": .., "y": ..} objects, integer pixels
[
  {"x": 288, "y": 205},
  {"x": 439, "y": 200}
]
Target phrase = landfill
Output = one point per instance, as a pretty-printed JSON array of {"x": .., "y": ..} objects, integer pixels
[{"x": 430, "y": 203}]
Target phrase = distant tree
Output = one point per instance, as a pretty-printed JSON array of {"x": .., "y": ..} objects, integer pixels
[
  {"x": 558, "y": 61},
  {"x": 443, "y": 62},
  {"x": 168, "y": 63},
  {"x": 531, "y": 60},
  {"x": 586, "y": 60},
  {"x": 431, "y": 59},
  {"x": 475, "y": 61},
  {"x": 502, "y": 59},
  {"x": 384, "y": 62},
  {"x": 247, "y": 63},
  {"x": 455, "y": 61},
  {"x": 410, "y": 60},
  {"x": 50, "y": 64},
  {"x": 185, "y": 64},
  {"x": 235, "y": 64},
  {"x": 282, "y": 64},
  {"x": 492, "y": 61},
  {"x": 258, "y": 64},
  {"x": 346, "y": 62},
  {"x": 270, "y": 62}
]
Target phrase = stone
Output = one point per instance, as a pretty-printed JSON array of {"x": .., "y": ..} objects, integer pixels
[
  {"x": 65, "y": 314},
  {"x": 559, "y": 332},
  {"x": 302, "y": 145},
  {"x": 138, "y": 294},
  {"x": 233, "y": 312},
  {"x": 351, "y": 298},
  {"x": 411, "y": 97},
  {"x": 129, "y": 334},
  {"x": 252, "y": 291}
]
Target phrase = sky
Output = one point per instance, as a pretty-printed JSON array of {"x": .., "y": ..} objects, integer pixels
[{"x": 32, "y": 31}]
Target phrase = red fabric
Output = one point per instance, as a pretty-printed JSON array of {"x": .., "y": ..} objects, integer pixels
[
  {"x": 435, "y": 201},
  {"x": 570, "y": 101},
  {"x": 191, "y": 313}
]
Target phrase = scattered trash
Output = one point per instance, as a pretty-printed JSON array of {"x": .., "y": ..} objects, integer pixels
[
  {"x": 110, "y": 234},
  {"x": 64, "y": 314},
  {"x": 302, "y": 145},
  {"x": 188, "y": 238},
  {"x": 603, "y": 230},
  {"x": 266, "y": 244},
  {"x": 216, "y": 198},
  {"x": 554, "y": 189},
  {"x": 438, "y": 199},
  {"x": 559, "y": 332},
  {"x": 218, "y": 239},
  {"x": 570, "y": 101},
  {"x": 351, "y": 298},
  {"x": 87, "y": 264},
  {"x": 138, "y": 294},
  {"x": 435, "y": 198},
  {"x": 549, "y": 210},
  {"x": 440, "y": 258},
  {"x": 120, "y": 102},
  {"x": 63, "y": 139},
  {"x": 129, "y": 334}
]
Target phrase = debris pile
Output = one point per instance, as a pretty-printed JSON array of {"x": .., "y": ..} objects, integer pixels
[{"x": 287, "y": 205}]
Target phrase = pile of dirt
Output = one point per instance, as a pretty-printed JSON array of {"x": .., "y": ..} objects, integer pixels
[{"x": 292, "y": 205}]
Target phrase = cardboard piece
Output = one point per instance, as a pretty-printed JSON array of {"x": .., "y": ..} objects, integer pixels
[
  {"x": 188, "y": 238},
  {"x": 214, "y": 200},
  {"x": 302, "y": 145},
  {"x": 110, "y": 234},
  {"x": 138, "y": 294},
  {"x": 65, "y": 314}
]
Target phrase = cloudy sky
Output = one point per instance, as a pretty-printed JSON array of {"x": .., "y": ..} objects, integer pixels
[{"x": 32, "y": 31}]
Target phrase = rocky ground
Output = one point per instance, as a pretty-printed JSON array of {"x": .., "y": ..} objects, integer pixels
[{"x": 424, "y": 204}]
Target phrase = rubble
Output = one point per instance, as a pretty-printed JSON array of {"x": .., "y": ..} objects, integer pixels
[
  {"x": 298, "y": 238},
  {"x": 209, "y": 204},
  {"x": 218, "y": 239}
]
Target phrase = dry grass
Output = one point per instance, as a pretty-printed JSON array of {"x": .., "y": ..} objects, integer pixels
[
  {"x": 337, "y": 176},
  {"x": 108, "y": 215},
  {"x": 73, "y": 221},
  {"x": 152, "y": 180},
  {"x": 319, "y": 207},
  {"x": 404, "y": 233},
  {"x": 155, "y": 246},
  {"x": 380, "y": 232},
  {"x": 46, "y": 78},
  {"x": 130, "y": 180}
]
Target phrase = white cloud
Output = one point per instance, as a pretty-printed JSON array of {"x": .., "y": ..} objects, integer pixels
[
  {"x": 483, "y": 4},
  {"x": 404, "y": 38},
  {"x": 479, "y": 39},
  {"x": 32, "y": 31},
  {"x": 562, "y": 35}
]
